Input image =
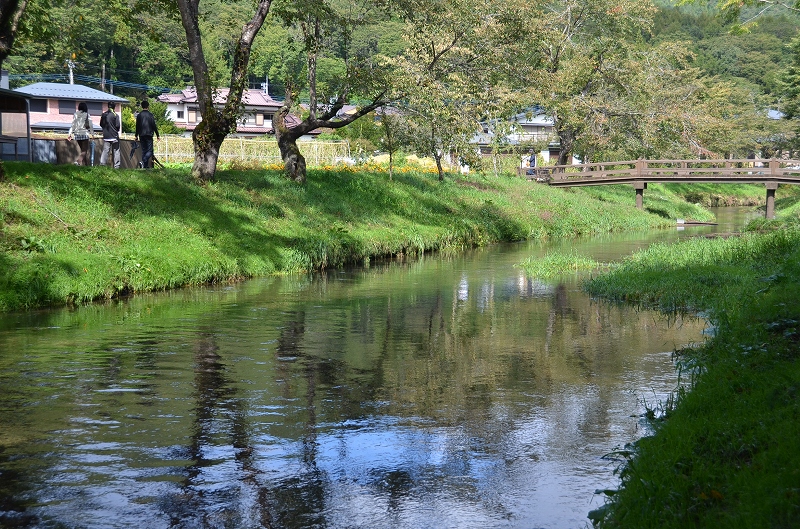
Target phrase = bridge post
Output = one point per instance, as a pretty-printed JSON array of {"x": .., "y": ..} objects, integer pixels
[
  {"x": 771, "y": 187},
  {"x": 774, "y": 167},
  {"x": 640, "y": 187}
]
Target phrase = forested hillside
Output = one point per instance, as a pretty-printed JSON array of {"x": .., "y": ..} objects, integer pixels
[{"x": 755, "y": 59}]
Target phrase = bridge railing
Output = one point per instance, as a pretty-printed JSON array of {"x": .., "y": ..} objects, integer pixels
[{"x": 665, "y": 169}]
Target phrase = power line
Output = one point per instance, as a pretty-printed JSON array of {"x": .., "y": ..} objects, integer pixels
[{"x": 87, "y": 79}]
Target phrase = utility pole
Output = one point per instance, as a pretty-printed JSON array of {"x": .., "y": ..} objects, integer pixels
[
  {"x": 71, "y": 65},
  {"x": 103, "y": 77}
]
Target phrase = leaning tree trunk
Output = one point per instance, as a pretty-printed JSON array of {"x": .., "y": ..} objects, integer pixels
[
  {"x": 294, "y": 163},
  {"x": 10, "y": 14}
]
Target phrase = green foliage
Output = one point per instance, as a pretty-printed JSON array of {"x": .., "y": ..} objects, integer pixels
[
  {"x": 753, "y": 59},
  {"x": 71, "y": 234},
  {"x": 364, "y": 136}
]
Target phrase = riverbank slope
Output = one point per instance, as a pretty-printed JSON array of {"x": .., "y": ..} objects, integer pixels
[
  {"x": 726, "y": 453},
  {"x": 74, "y": 234}
]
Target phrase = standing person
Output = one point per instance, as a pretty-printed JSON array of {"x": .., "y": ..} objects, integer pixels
[
  {"x": 532, "y": 163},
  {"x": 81, "y": 129},
  {"x": 110, "y": 124},
  {"x": 145, "y": 128}
]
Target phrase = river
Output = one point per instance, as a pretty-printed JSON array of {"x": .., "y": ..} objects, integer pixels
[{"x": 451, "y": 391}]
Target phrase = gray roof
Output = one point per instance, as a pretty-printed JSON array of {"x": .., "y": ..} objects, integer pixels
[{"x": 68, "y": 91}]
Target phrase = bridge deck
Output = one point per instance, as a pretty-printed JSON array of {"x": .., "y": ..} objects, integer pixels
[
  {"x": 663, "y": 171},
  {"x": 641, "y": 172}
]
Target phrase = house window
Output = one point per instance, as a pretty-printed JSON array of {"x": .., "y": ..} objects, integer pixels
[
  {"x": 66, "y": 106},
  {"x": 192, "y": 115},
  {"x": 259, "y": 119},
  {"x": 179, "y": 114},
  {"x": 95, "y": 107},
  {"x": 268, "y": 117},
  {"x": 38, "y": 105}
]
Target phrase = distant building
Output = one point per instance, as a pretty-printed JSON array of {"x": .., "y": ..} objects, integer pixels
[
  {"x": 52, "y": 105},
  {"x": 533, "y": 126},
  {"x": 259, "y": 109}
]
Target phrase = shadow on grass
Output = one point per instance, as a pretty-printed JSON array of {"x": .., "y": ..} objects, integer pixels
[
  {"x": 231, "y": 212},
  {"x": 167, "y": 194}
]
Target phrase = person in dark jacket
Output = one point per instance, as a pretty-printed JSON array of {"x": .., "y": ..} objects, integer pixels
[
  {"x": 110, "y": 124},
  {"x": 145, "y": 128}
]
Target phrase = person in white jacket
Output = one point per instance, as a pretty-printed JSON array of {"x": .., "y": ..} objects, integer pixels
[{"x": 81, "y": 130}]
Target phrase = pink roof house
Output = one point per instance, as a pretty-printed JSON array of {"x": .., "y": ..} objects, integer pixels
[{"x": 259, "y": 108}]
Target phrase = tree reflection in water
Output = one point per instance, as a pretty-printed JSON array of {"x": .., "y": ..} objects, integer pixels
[{"x": 429, "y": 394}]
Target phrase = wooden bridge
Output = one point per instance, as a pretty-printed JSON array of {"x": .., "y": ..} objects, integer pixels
[{"x": 641, "y": 172}]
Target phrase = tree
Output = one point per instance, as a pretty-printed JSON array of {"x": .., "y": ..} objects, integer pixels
[
  {"x": 11, "y": 12},
  {"x": 395, "y": 134},
  {"x": 217, "y": 123},
  {"x": 451, "y": 76},
  {"x": 579, "y": 60},
  {"x": 733, "y": 10},
  {"x": 324, "y": 30}
]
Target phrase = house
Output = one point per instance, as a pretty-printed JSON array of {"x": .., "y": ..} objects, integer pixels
[
  {"x": 259, "y": 108},
  {"x": 52, "y": 105},
  {"x": 51, "y": 108},
  {"x": 15, "y": 132},
  {"x": 524, "y": 128}
]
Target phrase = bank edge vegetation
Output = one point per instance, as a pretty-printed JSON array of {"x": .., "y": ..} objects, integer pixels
[{"x": 726, "y": 449}]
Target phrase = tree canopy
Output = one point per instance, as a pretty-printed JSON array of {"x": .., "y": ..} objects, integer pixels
[{"x": 621, "y": 78}]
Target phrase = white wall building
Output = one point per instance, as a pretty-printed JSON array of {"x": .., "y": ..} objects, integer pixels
[{"x": 259, "y": 109}]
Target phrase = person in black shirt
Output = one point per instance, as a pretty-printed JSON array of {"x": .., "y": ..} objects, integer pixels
[
  {"x": 109, "y": 123},
  {"x": 145, "y": 128}
]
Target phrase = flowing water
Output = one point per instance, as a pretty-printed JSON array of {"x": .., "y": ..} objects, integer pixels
[{"x": 443, "y": 392}]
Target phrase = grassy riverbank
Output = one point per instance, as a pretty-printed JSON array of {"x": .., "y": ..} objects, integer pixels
[
  {"x": 721, "y": 195},
  {"x": 72, "y": 234},
  {"x": 728, "y": 453}
]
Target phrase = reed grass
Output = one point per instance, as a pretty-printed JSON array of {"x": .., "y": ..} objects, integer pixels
[{"x": 554, "y": 264}]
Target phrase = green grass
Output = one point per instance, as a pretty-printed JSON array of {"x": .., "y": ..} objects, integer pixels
[
  {"x": 555, "y": 264},
  {"x": 714, "y": 195},
  {"x": 728, "y": 453},
  {"x": 659, "y": 199},
  {"x": 71, "y": 234}
]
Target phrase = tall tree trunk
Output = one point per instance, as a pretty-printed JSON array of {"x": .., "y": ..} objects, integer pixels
[
  {"x": 566, "y": 137},
  {"x": 217, "y": 123},
  {"x": 438, "y": 157}
]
